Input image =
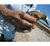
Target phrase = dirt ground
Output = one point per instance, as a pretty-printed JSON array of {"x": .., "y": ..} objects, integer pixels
[{"x": 35, "y": 35}]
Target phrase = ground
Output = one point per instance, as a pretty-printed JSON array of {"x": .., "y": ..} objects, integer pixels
[{"x": 35, "y": 35}]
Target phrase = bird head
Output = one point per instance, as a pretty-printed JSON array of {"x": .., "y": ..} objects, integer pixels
[{"x": 44, "y": 17}]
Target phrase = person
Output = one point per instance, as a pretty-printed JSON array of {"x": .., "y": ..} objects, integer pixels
[{"x": 15, "y": 15}]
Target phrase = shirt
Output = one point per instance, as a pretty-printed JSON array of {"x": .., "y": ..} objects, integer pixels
[{"x": 22, "y": 7}]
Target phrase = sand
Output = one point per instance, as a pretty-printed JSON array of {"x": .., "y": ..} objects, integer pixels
[{"x": 36, "y": 35}]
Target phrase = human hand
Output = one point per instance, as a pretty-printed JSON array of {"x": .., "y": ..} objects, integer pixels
[{"x": 21, "y": 20}]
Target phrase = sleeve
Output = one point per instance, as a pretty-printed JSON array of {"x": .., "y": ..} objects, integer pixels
[
  {"x": 8, "y": 6},
  {"x": 33, "y": 8}
]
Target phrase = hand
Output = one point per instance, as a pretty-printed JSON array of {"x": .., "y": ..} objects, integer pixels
[{"x": 21, "y": 19}]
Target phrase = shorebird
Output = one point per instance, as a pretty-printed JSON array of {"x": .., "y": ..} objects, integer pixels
[{"x": 38, "y": 15}]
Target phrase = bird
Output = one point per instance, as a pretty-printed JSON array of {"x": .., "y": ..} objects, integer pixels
[{"x": 39, "y": 15}]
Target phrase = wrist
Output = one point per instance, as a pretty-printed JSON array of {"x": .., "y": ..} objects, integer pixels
[{"x": 4, "y": 11}]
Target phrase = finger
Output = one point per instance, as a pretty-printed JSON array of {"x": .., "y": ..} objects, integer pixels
[
  {"x": 17, "y": 17},
  {"x": 26, "y": 31},
  {"x": 24, "y": 22},
  {"x": 29, "y": 18},
  {"x": 35, "y": 19},
  {"x": 33, "y": 27}
]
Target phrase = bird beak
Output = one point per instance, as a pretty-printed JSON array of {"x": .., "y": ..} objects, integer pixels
[{"x": 46, "y": 21}]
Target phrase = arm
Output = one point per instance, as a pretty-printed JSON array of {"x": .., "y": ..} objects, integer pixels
[
  {"x": 24, "y": 18},
  {"x": 4, "y": 10}
]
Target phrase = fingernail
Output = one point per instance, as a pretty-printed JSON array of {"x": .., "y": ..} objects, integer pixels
[{"x": 32, "y": 26}]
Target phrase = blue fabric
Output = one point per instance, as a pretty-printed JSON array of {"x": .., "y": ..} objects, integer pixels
[{"x": 7, "y": 34}]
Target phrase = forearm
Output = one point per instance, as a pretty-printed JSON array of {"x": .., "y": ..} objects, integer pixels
[{"x": 3, "y": 10}]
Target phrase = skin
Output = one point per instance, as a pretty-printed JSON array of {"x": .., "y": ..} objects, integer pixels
[{"x": 23, "y": 19}]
